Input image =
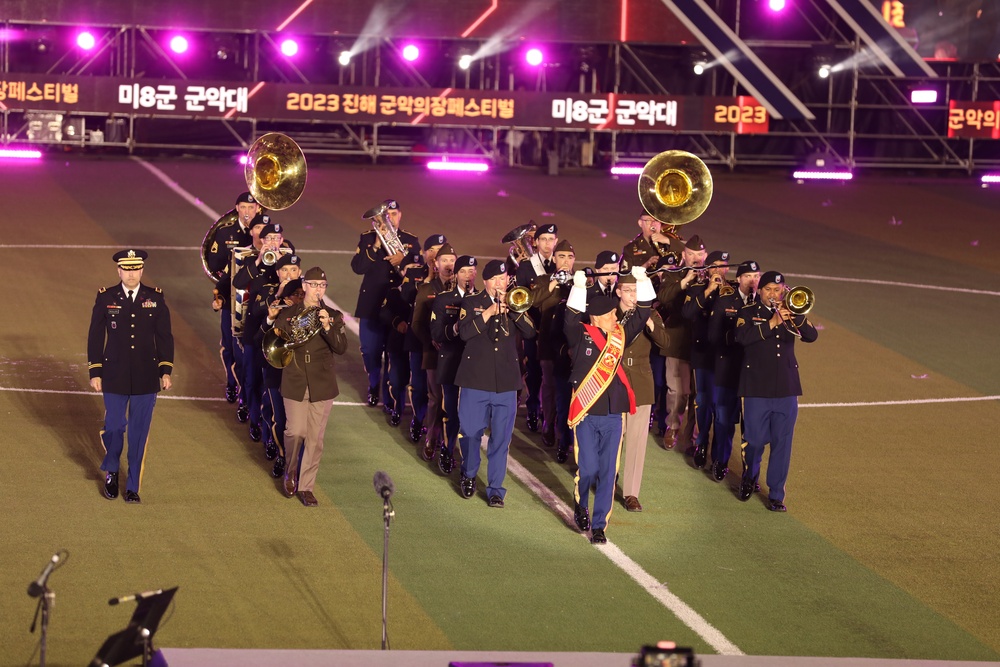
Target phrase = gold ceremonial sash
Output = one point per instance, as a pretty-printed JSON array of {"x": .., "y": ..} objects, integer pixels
[{"x": 601, "y": 374}]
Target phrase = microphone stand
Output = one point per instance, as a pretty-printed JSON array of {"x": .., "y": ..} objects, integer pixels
[
  {"x": 387, "y": 514},
  {"x": 45, "y": 602}
]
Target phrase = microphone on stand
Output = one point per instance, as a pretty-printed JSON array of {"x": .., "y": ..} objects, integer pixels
[
  {"x": 37, "y": 587},
  {"x": 383, "y": 485},
  {"x": 134, "y": 596}
]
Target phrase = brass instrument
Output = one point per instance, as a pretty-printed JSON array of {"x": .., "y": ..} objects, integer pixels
[
  {"x": 518, "y": 300},
  {"x": 726, "y": 288},
  {"x": 799, "y": 301},
  {"x": 206, "y": 243},
  {"x": 521, "y": 240},
  {"x": 275, "y": 171},
  {"x": 278, "y": 345},
  {"x": 675, "y": 187},
  {"x": 386, "y": 233},
  {"x": 270, "y": 257}
]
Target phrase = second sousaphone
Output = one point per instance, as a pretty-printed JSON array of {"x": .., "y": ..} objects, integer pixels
[{"x": 675, "y": 187}]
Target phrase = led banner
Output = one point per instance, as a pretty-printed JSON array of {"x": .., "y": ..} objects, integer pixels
[
  {"x": 973, "y": 120},
  {"x": 369, "y": 105}
]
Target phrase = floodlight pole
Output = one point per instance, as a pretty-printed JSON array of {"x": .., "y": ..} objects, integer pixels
[{"x": 387, "y": 514}]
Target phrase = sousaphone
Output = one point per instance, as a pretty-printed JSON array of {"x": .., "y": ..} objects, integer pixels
[
  {"x": 275, "y": 171},
  {"x": 675, "y": 187}
]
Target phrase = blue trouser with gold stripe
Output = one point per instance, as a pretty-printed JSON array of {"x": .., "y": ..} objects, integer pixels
[
  {"x": 727, "y": 413},
  {"x": 598, "y": 443},
  {"x": 769, "y": 420},
  {"x": 478, "y": 409},
  {"x": 139, "y": 409}
]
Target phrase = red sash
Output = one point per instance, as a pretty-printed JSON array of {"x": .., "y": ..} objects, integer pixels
[{"x": 599, "y": 378}]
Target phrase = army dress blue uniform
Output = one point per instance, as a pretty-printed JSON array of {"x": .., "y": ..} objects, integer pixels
[
  {"x": 379, "y": 276},
  {"x": 228, "y": 237},
  {"x": 444, "y": 332},
  {"x": 728, "y": 361},
  {"x": 489, "y": 376},
  {"x": 770, "y": 387},
  {"x": 129, "y": 346}
]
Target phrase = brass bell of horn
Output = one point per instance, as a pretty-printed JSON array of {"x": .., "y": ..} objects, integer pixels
[
  {"x": 675, "y": 187},
  {"x": 275, "y": 171}
]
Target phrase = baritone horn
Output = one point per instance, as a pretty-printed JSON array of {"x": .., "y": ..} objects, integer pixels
[
  {"x": 675, "y": 187},
  {"x": 521, "y": 240},
  {"x": 275, "y": 171}
]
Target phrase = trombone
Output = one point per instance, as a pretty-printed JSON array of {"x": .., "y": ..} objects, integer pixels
[{"x": 798, "y": 301}]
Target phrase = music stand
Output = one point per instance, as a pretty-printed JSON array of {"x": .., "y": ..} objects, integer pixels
[{"x": 137, "y": 638}]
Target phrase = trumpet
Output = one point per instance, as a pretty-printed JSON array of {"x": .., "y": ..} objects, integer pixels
[
  {"x": 725, "y": 287},
  {"x": 798, "y": 301},
  {"x": 271, "y": 256}
]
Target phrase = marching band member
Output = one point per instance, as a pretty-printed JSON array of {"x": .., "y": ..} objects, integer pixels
[
  {"x": 601, "y": 392},
  {"x": 546, "y": 295},
  {"x": 131, "y": 352},
  {"x": 680, "y": 402},
  {"x": 728, "y": 361},
  {"x": 769, "y": 385},
  {"x": 490, "y": 377},
  {"x": 699, "y": 301},
  {"x": 442, "y": 281},
  {"x": 542, "y": 263},
  {"x": 380, "y": 271},
  {"x": 607, "y": 263},
  {"x": 229, "y": 236},
  {"x": 636, "y": 365},
  {"x": 449, "y": 345},
  {"x": 646, "y": 248},
  {"x": 308, "y": 386}
]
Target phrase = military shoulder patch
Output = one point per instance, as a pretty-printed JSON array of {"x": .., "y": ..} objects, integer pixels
[
  {"x": 740, "y": 322},
  {"x": 461, "y": 314}
]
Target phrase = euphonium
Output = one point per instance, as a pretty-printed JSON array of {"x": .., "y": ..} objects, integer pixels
[
  {"x": 521, "y": 245},
  {"x": 386, "y": 232}
]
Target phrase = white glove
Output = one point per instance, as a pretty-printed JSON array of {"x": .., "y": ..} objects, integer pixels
[
  {"x": 580, "y": 280},
  {"x": 639, "y": 273}
]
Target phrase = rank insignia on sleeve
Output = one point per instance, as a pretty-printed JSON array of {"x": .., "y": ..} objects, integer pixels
[
  {"x": 461, "y": 314},
  {"x": 433, "y": 317},
  {"x": 215, "y": 247},
  {"x": 740, "y": 322}
]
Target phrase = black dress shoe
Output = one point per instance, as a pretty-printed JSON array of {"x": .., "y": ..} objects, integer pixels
[
  {"x": 562, "y": 454},
  {"x": 111, "y": 485},
  {"x": 597, "y": 536},
  {"x": 279, "y": 467},
  {"x": 255, "y": 432},
  {"x": 776, "y": 505},
  {"x": 495, "y": 501},
  {"x": 746, "y": 489},
  {"x": 231, "y": 393},
  {"x": 394, "y": 418},
  {"x": 416, "y": 430},
  {"x": 446, "y": 462},
  {"x": 270, "y": 451},
  {"x": 719, "y": 471},
  {"x": 468, "y": 486},
  {"x": 581, "y": 516},
  {"x": 132, "y": 497},
  {"x": 532, "y": 421},
  {"x": 372, "y": 396},
  {"x": 242, "y": 413},
  {"x": 548, "y": 439},
  {"x": 700, "y": 456}
]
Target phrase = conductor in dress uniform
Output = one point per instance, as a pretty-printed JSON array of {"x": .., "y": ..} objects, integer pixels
[
  {"x": 131, "y": 354},
  {"x": 769, "y": 385},
  {"x": 489, "y": 377}
]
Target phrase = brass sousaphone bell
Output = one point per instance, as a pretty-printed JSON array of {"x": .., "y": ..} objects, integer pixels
[
  {"x": 675, "y": 187},
  {"x": 275, "y": 171}
]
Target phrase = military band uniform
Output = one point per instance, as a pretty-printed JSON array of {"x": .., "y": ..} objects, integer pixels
[
  {"x": 272, "y": 407},
  {"x": 130, "y": 347},
  {"x": 308, "y": 387},
  {"x": 444, "y": 331},
  {"x": 379, "y": 275},
  {"x": 489, "y": 376},
  {"x": 395, "y": 317},
  {"x": 427, "y": 294},
  {"x": 530, "y": 273},
  {"x": 228, "y": 237},
  {"x": 680, "y": 401},
  {"x": 413, "y": 276},
  {"x": 770, "y": 387}
]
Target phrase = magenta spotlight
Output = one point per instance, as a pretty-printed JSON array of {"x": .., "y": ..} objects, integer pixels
[
  {"x": 776, "y": 5},
  {"x": 627, "y": 169},
  {"x": 243, "y": 159},
  {"x": 411, "y": 52},
  {"x": 990, "y": 179},
  {"x": 806, "y": 175},
  {"x": 445, "y": 165},
  {"x": 178, "y": 44},
  {"x": 85, "y": 40},
  {"x": 289, "y": 48},
  {"x": 534, "y": 57},
  {"x": 20, "y": 154},
  {"x": 923, "y": 96}
]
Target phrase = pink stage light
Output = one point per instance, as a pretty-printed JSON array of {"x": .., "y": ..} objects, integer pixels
[
  {"x": 923, "y": 96},
  {"x": 445, "y": 165},
  {"x": 535, "y": 57},
  {"x": 776, "y": 5},
  {"x": 289, "y": 48},
  {"x": 990, "y": 179},
  {"x": 243, "y": 159},
  {"x": 627, "y": 169},
  {"x": 411, "y": 52},
  {"x": 20, "y": 154},
  {"x": 85, "y": 40},
  {"x": 178, "y": 44},
  {"x": 822, "y": 175}
]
